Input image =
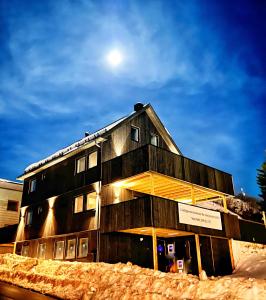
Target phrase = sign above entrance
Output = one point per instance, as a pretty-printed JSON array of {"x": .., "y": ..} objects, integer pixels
[{"x": 197, "y": 216}]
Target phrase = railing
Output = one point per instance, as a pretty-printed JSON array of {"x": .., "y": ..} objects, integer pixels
[{"x": 151, "y": 158}]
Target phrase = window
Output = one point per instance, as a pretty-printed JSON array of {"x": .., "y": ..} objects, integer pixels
[
  {"x": 41, "y": 250},
  {"x": 80, "y": 164},
  {"x": 154, "y": 140},
  {"x": 32, "y": 185},
  {"x": 91, "y": 201},
  {"x": 135, "y": 134},
  {"x": 59, "y": 250},
  {"x": 12, "y": 205},
  {"x": 78, "y": 204},
  {"x": 71, "y": 249},
  {"x": 29, "y": 217},
  {"x": 92, "y": 160},
  {"x": 25, "y": 250},
  {"x": 83, "y": 247}
]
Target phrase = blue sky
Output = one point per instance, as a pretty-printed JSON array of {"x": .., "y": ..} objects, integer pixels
[{"x": 201, "y": 64}]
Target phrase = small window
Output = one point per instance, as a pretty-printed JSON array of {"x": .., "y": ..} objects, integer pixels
[
  {"x": 135, "y": 134},
  {"x": 25, "y": 250},
  {"x": 32, "y": 185},
  {"x": 80, "y": 164},
  {"x": 12, "y": 205},
  {"x": 29, "y": 217},
  {"x": 91, "y": 201},
  {"x": 71, "y": 249},
  {"x": 59, "y": 250},
  {"x": 41, "y": 250},
  {"x": 92, "y": 160},
  {"x": 39, "y": 210},
  {"x": 155, "y": 140},
  {"x": 78, "y": 204},
  {"x": 83, "y": 247}
]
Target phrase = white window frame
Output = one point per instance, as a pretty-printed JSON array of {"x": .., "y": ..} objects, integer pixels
[
  {"x": 68, "y": 248},
  {"x": 91, "y": 159},
  {"x": 55, "y": 248},
  {"x": 138, "y": 131},
  {"x": 156, "y": 136},
  {"x": 79, "y": 248},
  {"x": 87, "y": 202},
  {"x": 75, "y": 206},
  {"x": 78, "y": 170},
  {"x": 39, "y": 248},
  {"x": 23, "y": 250},
  {"x": 32, "y": 185}
]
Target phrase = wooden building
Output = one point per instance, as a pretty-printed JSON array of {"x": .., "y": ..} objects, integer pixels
[{"x": 127, "y": 193}]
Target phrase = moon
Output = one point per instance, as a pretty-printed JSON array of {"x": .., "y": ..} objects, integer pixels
[{"x": 114, "y": 58}]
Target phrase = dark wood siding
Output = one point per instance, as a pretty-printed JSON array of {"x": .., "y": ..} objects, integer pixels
[
  {"x": 252, "y": 232},
  {"x": 165, "y": 162}
]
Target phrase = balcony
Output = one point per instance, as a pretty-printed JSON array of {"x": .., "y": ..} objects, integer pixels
[{"x": 156, "y": 171}]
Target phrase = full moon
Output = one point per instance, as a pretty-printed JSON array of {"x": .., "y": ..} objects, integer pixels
[{"x": 114, "y": 58}]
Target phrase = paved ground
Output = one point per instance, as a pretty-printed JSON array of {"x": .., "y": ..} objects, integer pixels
[{"x": 12, "y": 292}]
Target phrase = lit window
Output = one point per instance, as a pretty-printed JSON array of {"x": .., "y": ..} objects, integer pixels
[
  {"x": 41, "y": 250},
  {"x": 83, "y": 247},
  {"x": 29, "y": 217},
  {"x": 80, "y": 164},
  {"x": 78, "y": 204},
  {"x": 12, "y": 205},
  {"x": 92, "y": 159},
  {"x": 71, "y": 249},
  {"x": 32, "y": 185},
  {"x": 91, "y": 201},
  {"x": 59, "y": 250},
  {"x": 25, "y": 250},
  {"x": 155, "y": 140},
  {"x": 134, "y": 134}
]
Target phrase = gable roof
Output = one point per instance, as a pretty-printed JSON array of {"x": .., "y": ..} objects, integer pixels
[{"x": 97, "y": 137}]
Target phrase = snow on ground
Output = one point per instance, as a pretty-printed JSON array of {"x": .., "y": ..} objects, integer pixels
[{"x": 75, "y": 280}]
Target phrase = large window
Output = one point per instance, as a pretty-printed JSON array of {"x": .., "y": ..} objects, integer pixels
[
  {"x": 135, "y": 133},
  {"x": 25, "y": 250},
  {"x": 59, "y": 250},
  {"x": 80, "y": 164},
  {"x": 83, "y": 247},
  {"x": 41, "y": 250},
  {"x": 92, "y": 160},
  {"x": 91, "y": 201},
  {"x": 71, "y": 249},
  {"x": 29, "y": 217},
  {"x": 12, "y": 205},
  {"x": 78, "y": 206},
  {"x": 32, "y": 185},
  {"x": 154, "y": 140}
]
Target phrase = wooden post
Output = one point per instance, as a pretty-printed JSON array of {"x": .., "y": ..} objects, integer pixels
[
  {"x": 225, "y": 204},
  {"x": 264, "y": 218},
  {"x": 198, "y": 253},
  {"x": 14, "y": 249},
  {"x": 154, "y": 248},
  {"x": 230, "y": 241},
  {"x": 193, "y": 195}
]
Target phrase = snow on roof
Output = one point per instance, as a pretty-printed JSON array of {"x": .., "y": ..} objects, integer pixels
[
  {"x": 9, "y": 181},
  {"x": 75, "y": 145}
]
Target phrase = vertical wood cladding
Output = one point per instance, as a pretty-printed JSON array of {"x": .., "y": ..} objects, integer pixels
[
  {"x": 119, "y": 141},
  {"x": 252, "y": 232}
]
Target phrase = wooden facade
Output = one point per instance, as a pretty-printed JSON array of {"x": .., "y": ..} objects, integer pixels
[{"x": 138, "y": 186}]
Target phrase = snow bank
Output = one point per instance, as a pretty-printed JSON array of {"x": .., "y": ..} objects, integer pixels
[
  {"x": 250, "y": 259},
  {"x": 75, "y": 280}
]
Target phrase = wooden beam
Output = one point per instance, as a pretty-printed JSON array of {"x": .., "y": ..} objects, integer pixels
[
  {"x": 224, "y": 204},
  {"x": 14, "y": 249},
  {"x": 198, "y": 253},
  {"x": 193, "y": 195},
  {"x": 230, "y": 244},
  {"x": 264, "y": 218},
  {"x": 154, "y": 249}
]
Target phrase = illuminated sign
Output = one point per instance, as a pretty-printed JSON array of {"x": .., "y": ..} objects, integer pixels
[
  {"x": 180, "y": 264},
  {"x": 198, "y": 216},
  {"x": 171, "y": 248}
]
